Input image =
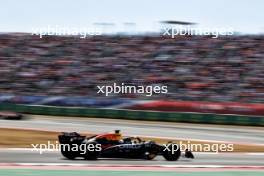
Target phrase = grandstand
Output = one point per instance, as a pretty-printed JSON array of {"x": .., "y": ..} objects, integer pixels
[{"x": 196, "y": 68}]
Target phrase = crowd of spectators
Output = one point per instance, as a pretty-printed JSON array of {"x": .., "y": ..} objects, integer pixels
[{"x": 194, "y": 68}]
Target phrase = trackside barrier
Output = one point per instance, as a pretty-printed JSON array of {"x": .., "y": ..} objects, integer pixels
[{"x": 136, "y": 114}]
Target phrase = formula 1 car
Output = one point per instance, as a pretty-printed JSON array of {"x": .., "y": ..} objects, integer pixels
[
  {"x": 112, "y": 145},
  {"x": 8, "y": 115}
]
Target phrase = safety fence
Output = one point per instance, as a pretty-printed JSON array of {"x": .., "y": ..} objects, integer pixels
[{"x": 136, "y": 114}]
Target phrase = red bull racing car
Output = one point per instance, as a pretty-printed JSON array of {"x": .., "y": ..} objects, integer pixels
[{"x": 113, "y": 145}]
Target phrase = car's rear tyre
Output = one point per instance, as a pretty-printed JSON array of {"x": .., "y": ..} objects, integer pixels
[
  {"x": 69, "y": 155},
  {"x": 91, "y": 155},
  {"x": 171, "y": 154}
]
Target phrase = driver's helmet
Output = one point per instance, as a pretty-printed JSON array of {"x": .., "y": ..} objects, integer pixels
[{"x": 118, "y": 135}]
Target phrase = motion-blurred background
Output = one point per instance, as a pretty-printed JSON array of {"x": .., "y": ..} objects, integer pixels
[
  {"x": 53, "y": 81},
  {"x": 65, "y": 70}
]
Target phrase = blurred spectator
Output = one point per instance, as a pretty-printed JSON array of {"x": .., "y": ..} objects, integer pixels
[{"x": 193, "y": 68}]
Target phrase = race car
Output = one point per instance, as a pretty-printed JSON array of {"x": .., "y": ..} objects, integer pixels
[
  {"x": 8, "y": 115},
  {"x": 113, "y": 145}
]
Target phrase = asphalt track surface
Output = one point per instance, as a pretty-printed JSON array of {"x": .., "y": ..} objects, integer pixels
[
  {"x": 21, "y": 156},
  {"x": 254, "y": 135},
  {"x": 231, "y": 134}
]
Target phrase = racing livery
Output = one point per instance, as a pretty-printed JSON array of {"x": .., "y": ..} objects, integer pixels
[{"x": 113, "y": 145}]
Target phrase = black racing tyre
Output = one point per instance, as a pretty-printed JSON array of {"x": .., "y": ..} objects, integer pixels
[
  {"x": 172, "y": 154},
  {"x": 68, "y": 154},
  {"x": 91, "y": 155}
]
